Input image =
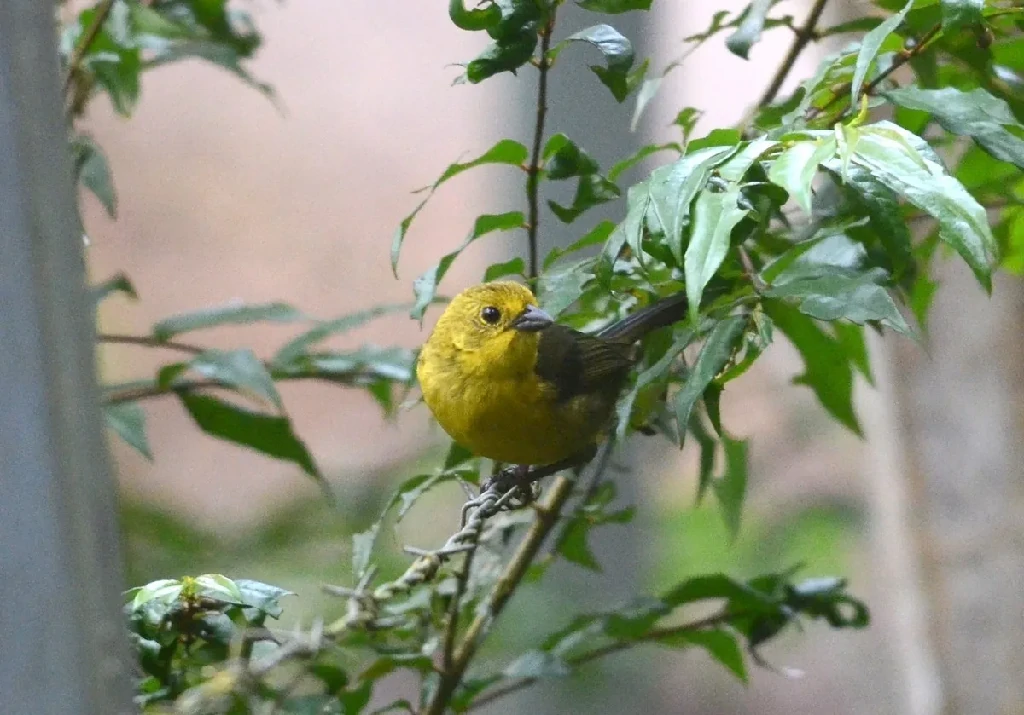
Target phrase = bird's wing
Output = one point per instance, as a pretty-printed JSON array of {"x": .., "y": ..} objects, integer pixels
[{"x": 577, "y": 363}]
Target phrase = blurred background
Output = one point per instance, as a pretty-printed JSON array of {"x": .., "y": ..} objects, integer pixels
[{"x": 297, "y": 201}]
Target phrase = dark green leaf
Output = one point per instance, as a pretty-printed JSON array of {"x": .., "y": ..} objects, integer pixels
[
  {"x": 719, "y": 643},
  {"x": 882, "y": 205},
  {"x": 708, "y": 448},
  {"x": 700, "y": 588},
  {"x": 614, "y": 7},
  {"x": 230, "y": 314},
  {"x": 976, "y": 114},
  {"x": 481, "y": 18},
  {"x": 564, "y": 159},
  {"x": 715, "y": 353},
  {"x": 270, "y": 435},
  {"x": 731, "y": 487},
  {"x": 425, "y": 287},
  {"x": 671, "y": 190},
  {"x": 574, "y": 546},
  {"x": 714, "y": 217},
  {"x": 118, "y": 283},
  {"x": 504, "y": 152},
  {"x": 512, "y": 267},
  {"x": 618, "y": 55},
  {"x": 591, "y": 190},
  {"x": 749, "y": 30},
  {"x": 851, "y": 337},
  {"x": 795, "y": 169},
  {"x": 628, "y": 163},
  {"x": 129, "y": 423},
  {"x": 92, "y": 170},
  {"x": 827, "y": 369},
  {"x": 597, "y": 235},
  {"x": 961, "y": 13},
  {"x": 888, "y": 152},
  {"x": 869, "y": 47}
]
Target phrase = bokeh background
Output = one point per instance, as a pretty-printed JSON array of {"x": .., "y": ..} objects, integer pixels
[{"x": 224, "y": 195}]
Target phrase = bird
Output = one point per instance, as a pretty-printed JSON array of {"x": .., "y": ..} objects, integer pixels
[{"x": 507, "y": 382}]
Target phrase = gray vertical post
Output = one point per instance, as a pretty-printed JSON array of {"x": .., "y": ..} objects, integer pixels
[{"x": 64, "y": 648}]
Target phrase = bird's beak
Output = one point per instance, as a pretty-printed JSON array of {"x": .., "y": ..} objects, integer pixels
[{"x": 532, "y": 320}]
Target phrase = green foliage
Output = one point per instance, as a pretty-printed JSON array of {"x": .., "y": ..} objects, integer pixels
[{"x": 795, "y": 222}]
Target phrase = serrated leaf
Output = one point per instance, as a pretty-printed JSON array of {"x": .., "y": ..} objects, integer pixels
[
  {"x": 976, "y": 114},
  {"x": 795, "y": 169},
  {"x": 672, "y": 188},
  {"x": 714, "y": 217},
  {"x": 268, "y": 434},
  {"x": 869, "y": 47},
  {"x": 827, "y": 369},
  {"x": 715, "y": 353},
  {"x": 614, "y": 7},
  {"x": 299, "y": 345},
  {"x": 128, "y": 422},
  {"x": 425, "y": 286},
  {"x": 504, "y": 152},
  {"x": 719, "y": 643},
  {"x": 749, "y": 30},
  {"x": 888, "y": 152},
  {"x": 240, "y": 369},
  {"x": 731, "y": 488},
  {"x": 93, "y": 172},
  {"x": 234, "y": 313}
]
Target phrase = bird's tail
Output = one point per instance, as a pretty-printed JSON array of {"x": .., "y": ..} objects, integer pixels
[{"x": 659, "y": 314}]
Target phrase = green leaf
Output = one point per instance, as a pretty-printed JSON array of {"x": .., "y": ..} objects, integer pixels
[
  {"x": 597, "y": 235},
  {"x": 560, "y": 289},
  {"x": 736, "y": 168},
  {"x": 887, "y": 151},
  {"x": 504, "y": 152},
  {"x": 618, "y": 55},
  {"x": 537, "y": 664},
  {"x": 976, "y": 114},
  {"x": 425, "y": 286},
  {"x": 118, "y": 283},
  {"x": 298, "y": 346},
  {"x": 513, "y": 267},
  {"x": 574, "y": 545},
  {"x": 749, "y": 30},
  {"x": 719, "y": 643},
  {"x": 851, "y": 337},
  {"x": 672, "y": 188},
  {"x": 261, "y": 596},
  {"x": 796, "y": 168},
  {"x": 591, "y": 190},
  {"x": 708, "y": 448},
  {"x": 731, "y": 488},
  {"x": 961, "y": 13},
  {"x": 240, "y": 369},
  {"x": 700, "y": 588},
  {"x": 235, "y": 313},
  {"x": 714, "y": 217},
  {"x": 869, "y": 47},
  {"x": 882, "y": 205},
  {"x": 836, "y": 295},
  {"x": 93, "y": 172},
  {"x": 827, "y": 368},
  {"x": 564, "y": 159},
  {"x": 717, "y": 351},
  {"x": 614, "y": 7},
  {"x": 268, "y": 434},
  {"x": 482, "y": 18},
  {"x": 362, "y": 548},
  {"x": 642, "y": 153},
  {"x": 129, "y": 423}
]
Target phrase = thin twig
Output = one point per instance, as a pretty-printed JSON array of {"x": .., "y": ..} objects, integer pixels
[
  {"x": 150, "y": 342},
  {"x": 901, "y": 59},
  {"x": 533, "y": 170},
  {"x": 546, "y": 517},
  {"x": 617, "y": 646},
  {"x": 85, "y": 41},
  {"x": 451, "y": 628},
  {"x": 804, "y": 35},
  {"x": 133, "y": 394}
]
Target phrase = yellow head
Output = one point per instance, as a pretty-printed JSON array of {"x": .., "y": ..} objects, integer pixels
[{"x": 490, "y": 329}]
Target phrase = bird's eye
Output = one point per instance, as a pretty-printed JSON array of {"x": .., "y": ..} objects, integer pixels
[{"x": 490, "y": 314}]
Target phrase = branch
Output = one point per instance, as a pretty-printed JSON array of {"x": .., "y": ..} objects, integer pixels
[
  {"x": 901, "y": 59},
  {"x": 150, "y": 342},
  {"x": 533, "y": 170},
  {"x": 804, "y": 35},
  {"x": 547, "y": 514},
  {"x": 615, "y": 647},
  {"x": 132, "y": 394},
  {"x": 85, "y": 41}
]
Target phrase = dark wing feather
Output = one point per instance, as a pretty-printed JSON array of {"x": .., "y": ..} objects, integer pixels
[{"x": 577, "y": 363}]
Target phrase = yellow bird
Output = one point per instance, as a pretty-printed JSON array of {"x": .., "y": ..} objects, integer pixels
[{"x": 508, "y": 383}]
